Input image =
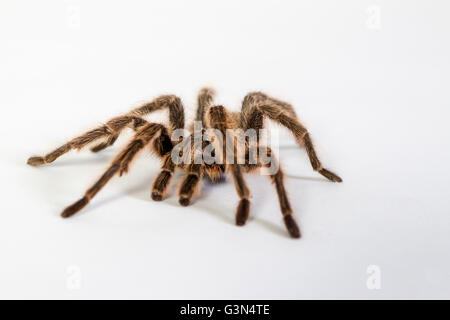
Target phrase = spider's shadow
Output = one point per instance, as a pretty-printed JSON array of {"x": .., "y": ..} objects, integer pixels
[
  {"x": 140, "y": 189},
  {"x": 319, "y": 179},
  {"x": 223, "y": 212}
]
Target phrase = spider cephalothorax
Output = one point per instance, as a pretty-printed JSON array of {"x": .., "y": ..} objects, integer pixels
[{"x": 255, "y": 108}]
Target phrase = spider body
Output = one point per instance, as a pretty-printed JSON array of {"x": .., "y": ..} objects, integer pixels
[{"x": 256, "y": 107}]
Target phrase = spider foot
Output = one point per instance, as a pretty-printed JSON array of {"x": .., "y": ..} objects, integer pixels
[
  {"x": 35, "y": 161},
  {"x": 291, "y": 225},
  {"x": 330, "y": 175},
  {"x": 156, "y": 196},
  {"x": 184, "y": 201},
  {"x": 242, "y": 212},
  {"x": 74, "y": 208}
]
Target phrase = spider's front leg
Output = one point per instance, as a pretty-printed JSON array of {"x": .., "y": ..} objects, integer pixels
[
  {"x": 190, "y": 184},
  {"x": 111, "y": 130},
  {"x": 77, "y": 143},
  {"x": 219, "y": 119},
  {"x": 243, "y": 208},
  {"x": 161, "y": 182},
  {"x": 119, "y": 165}
]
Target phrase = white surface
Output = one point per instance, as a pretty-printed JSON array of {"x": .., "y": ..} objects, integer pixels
[{"x": 374, "y": 97}]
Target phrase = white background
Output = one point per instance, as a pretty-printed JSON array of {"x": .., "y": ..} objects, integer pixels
[{"x": 369, "y": 79}]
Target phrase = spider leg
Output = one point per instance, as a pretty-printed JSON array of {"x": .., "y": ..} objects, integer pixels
[
  {"x": 135, "y": 124},
  {"x": 190, "y": 183},
  {"x": 218, "y": 118},
  {"x": 161, "y": 182},
  {"x": 102, "y": 145},
  {"x": 278, "y": 179},
  {"x": 315, "y": 162},
  {"x": 204, "y": 101},
  {"x": 282, "y": 112},
  {"x": 243, "y": 208},
  {"x": 111, "y": 130},
  {"x": 119, "y": 165},
  {"x": 176, "y": 117}
]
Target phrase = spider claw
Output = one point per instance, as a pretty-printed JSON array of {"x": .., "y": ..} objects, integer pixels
[
  {"x": 35, "y": 161},
  {"x": 75, "y": 207},
  {"x": 330, "y": 175},
  {"x": 291, "y": 225}
]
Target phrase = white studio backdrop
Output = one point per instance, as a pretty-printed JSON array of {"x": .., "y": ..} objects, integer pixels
[{"x": 369, "y": 79}]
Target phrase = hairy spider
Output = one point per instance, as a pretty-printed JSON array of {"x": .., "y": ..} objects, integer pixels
[{"x": 256, "y": 107}]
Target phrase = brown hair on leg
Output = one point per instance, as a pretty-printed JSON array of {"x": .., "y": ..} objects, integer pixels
[
  {"x": 283, "y": 116},
  {"x": 315, "y": 163},
  {"x": 278, "y": 180},
  {"x": 91, "y": 192},
  {"x": 204, "y": 101},
  {"x": 243, "y": 209},
  {"x": 112, "y": 128},
  {"x": 117, "y": 125},
  {"x": 285, "y": 206},
  {"x": 120, "y": 164},
  {"x": 190, "y": 184},
  {"x": 109, "y": 142},
  {"x": 162, "y": 145},
  {"x": 161, "y": 182},
  {"x": 171, "y": 102}
]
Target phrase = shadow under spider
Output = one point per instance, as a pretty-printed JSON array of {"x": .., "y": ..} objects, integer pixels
[
  {"x": 142, "y": 189},
  {"x": 221, "y": 212},
  {"x": 225, "y": 215},
  {"x": 291, "y": 176}
]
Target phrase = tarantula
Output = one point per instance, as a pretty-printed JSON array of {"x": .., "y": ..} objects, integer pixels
[{"x": 256, "y": 107}]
